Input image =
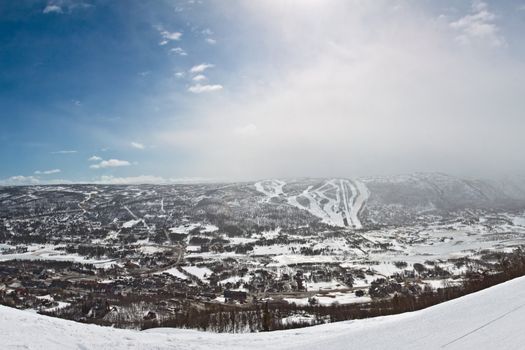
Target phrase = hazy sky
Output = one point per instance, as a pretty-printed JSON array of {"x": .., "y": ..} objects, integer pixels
[{"x": 162, "y": 91}]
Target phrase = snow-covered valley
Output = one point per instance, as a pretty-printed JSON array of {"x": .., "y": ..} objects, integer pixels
[{"x": 310, "y": 250}]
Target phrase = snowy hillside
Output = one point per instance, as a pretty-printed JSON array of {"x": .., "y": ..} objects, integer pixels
[
  {"x": 490, "y": 319},
  {"x": 336, "y": 202},
  {"x": 391, "y": 200}
]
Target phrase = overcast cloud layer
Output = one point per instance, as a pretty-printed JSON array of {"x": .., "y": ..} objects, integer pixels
[
  {"x": 320, "y": 88},
  {"x": 367, "y": 88}
]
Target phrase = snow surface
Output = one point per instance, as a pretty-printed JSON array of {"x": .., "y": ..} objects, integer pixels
[
  {"x": 186, "y": 228},
  {"x": 174, "y": 272},
  {"x": 202, "y": 273},
  {"x": 130, "y": 223},
  {"x": 490, "y": 319},
  {"x": 331, "y": 298},
  {"x": 49, "y": 252}
]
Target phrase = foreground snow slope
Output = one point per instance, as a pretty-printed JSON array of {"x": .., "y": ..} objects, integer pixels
[{"x": 490, "y": 319}]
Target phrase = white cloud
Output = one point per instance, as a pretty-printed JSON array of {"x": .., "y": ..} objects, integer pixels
[
  {"x": 50, "y": 8},
  {"x": 94, "y": 158},
  {"x": 179, "y": 51},
  {"x": 246, "y": 130},
  {"x": 211, "y": 41},
  {"x": 199, "y": 77},
  {"x": 343, "y": 99},
  {"x": 65, "y": 6},
  {"x": 168, "y": 36},
  {"x": 137, "y": 145},
  {"x": 201, "y": 88},
  {"x": 141, "y": 179},
  {"x": 111, "y": 163},
  {"x": 201, "y": 67},
  {"x": 19, "y": 181},
  {"x": 47, "y": 172},
  {"x": 198, "y": 88},
  {"x": 171, "y": 35},
  {"x": 64, "y": 152},
  {"x": 57, "y": 182},
  {"x": 479, "y": 27},
  {"x": 148, "y": 179}
]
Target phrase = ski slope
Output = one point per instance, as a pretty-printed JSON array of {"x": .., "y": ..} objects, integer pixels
[
  {"x": 490, "y": 319},
  {"x": 336, "y": 202},
  {"x": 270, "y": 188}
]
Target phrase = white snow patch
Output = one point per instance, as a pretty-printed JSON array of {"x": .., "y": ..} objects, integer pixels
[
  {"x": 174, "y": 272},
  {"x": 202, "y": 273},
  {"x": 131, "y": 223}
]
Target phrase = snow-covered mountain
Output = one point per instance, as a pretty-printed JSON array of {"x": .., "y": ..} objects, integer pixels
[
  {"x": 490, "y": 319},
  {"x": 336, "y": 202},
  {"x": 392, "y": 200}
]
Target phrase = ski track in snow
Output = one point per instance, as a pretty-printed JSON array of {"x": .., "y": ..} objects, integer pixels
[
  {"x": 331, "y": 206},
  {"x": 314, "y": 206},
  {"x": 360, "y": 201},
  {"x": 350, "y": 198},
  {"x": 137, "y": 218},
  {"x": 131, "y": 213},
  {"x": 87, "y": 199},
  {"x": 270, "y": 188}
]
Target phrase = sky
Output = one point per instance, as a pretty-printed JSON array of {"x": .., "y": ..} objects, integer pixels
[{"x": 159, "y": 91}]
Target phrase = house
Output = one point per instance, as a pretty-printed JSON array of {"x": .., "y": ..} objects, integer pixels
[{"x": 233, "y": 295}]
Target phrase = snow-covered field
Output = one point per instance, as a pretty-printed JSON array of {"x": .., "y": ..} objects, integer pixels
[
  {"x": 202, "y": 273},
  {"x": 490, "y": 319},
  {"x": 174, "y": 272},
  {"x": 49, "y": 252}
]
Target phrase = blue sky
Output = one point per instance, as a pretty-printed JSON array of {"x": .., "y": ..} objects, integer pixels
[{"x": 167, "y": 91}]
